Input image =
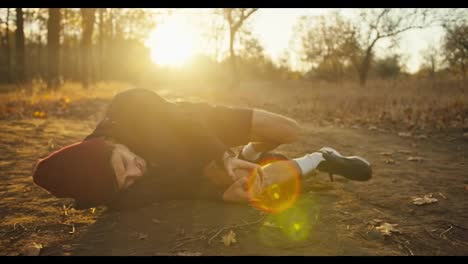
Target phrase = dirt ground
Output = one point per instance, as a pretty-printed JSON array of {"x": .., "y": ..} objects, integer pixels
[{"x": 336, "y": 218}]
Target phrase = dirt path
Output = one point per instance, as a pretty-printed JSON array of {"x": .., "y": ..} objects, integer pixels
[{"x": 335, "y": 217}]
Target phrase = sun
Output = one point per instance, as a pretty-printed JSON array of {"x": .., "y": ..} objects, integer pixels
[{"x": 173, "y": 42}]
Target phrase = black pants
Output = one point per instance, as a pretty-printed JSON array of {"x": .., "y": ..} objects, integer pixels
[{"x": 231, "y": 125}]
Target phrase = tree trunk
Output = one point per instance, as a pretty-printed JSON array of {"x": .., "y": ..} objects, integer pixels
[
  {"x": 53, "y": 45},
  {"x": 39, "y": 58},
  {"x": 235, "y": 74},
  {"x": 101, "y": 43},
  {"x": 364, "y": 69},
  {"x": 463, "y": 68},
  {"x": 88, "y": 25},
  {"x": 8, "y": 51},
  {"x": 20, "y": 63}
]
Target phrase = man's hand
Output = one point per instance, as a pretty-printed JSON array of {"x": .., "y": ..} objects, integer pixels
[{"x": 232, "y": 163}]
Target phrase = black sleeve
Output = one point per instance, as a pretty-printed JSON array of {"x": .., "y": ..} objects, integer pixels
[
  {"x": 199, "y": 136},
  {"x": 148, "y": 124}
]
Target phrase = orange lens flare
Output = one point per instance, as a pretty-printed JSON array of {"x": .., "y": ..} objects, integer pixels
[{"x": 278, "y": 190}]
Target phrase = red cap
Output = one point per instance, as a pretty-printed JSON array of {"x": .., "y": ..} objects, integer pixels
[{"x": 82, "y": 171}]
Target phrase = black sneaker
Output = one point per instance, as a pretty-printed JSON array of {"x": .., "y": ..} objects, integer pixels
[
  {"x": 352, "y": 167},
  {"x": 265, "y": 158}
]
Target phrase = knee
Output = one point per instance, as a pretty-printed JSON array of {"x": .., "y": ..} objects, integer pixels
[
  {"x": 291, "y": 131},
  {"x": 271, "y": 127}
]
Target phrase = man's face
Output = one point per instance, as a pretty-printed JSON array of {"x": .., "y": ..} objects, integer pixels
[{"x": 127, "y": 165}]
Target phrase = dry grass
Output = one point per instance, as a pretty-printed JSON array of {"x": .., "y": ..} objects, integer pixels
[
  {"x": 66, "y": 101},
  {"x": 401, "y": 104},
  {"x": 398, "y": 104}
]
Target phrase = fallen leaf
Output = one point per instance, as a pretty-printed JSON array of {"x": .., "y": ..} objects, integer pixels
[
  {"x": 33, "y": 249},
  {"x": 65, "y": 210},
  {"x": 142, "y": 236},
  {"x": 389, "y": 161},
  {"x": 426, "y": 199},
  {"x": 93, "y": 210},
  {"x": 189, "y": 254},
  {"x": 229, "y": 238},
  {"x": 404, "y": 151},
  {"x": 386, "y": 229},
  {"x": 269, "y": 224},
  {"x": 422, "y": 136},
  {"x": 386, "y": 153},
  {"x": 372, "y": 128},
  {"x": 73, "y": 229},
  {"x": 415, "y": 158},
  {"x": 404, "y": 134}
]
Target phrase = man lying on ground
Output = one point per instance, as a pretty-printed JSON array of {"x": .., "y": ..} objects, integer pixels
[{"x": 148, "y": 149}]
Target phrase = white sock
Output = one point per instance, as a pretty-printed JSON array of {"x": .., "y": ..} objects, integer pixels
[
  {"x": 250, "y": 153},
  {"x": 309, "y": 162}
]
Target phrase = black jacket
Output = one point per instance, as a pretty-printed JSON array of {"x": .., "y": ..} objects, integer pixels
[{"x": 166, "y": 134}]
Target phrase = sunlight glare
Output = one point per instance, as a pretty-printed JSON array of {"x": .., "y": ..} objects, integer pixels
[{"x": 173, "y": 42}]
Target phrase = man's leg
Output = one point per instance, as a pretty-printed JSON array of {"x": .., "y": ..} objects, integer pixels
[
  {"x": 280, "y": 172},
  {"x": 267, "y": 131}
]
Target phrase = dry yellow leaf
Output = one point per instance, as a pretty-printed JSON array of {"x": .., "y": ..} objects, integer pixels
[
  {"x": 415, "y": 158},
  {"x": 386, "y": 153},
  {"x": 229, "y": 238},
  {"x": 404, "y": 134},
  {"x": 426, "y": 199},
  {"x": 404, "y": 151},
  {"x": 386, "y": 229},
  {"x": 33, "y": 249}
]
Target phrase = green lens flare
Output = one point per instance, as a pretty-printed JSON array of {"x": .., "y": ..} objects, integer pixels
[{"x": 294, "y": 224}]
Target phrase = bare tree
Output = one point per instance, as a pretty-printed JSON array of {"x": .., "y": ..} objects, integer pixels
[
  {"x": 36, "y": 47},
  {"x": 20, "y": 63},
  {"x": 53, "y": 45},
  {"x": 250, "y": 47},
  {"x": 235, "y": 17},
  {"x": 455, "y": 47},
  {"x": 7, "y": 44},
  {"x": 431, "y": 60},
  {"x": 88, "y": 17},
  {"x": 214, "y": 34},
  {"x": 71, "y": 20},
  {"x": 101, "y": 41},
  {"x": 374, "y": 25},
  {"x": 323, "y": 44}
]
